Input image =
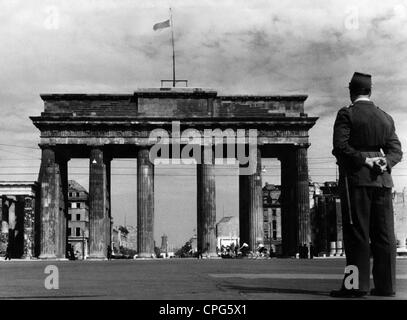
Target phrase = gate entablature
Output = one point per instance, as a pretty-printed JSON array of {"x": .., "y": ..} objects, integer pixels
[{"x": 127, "y": 119}]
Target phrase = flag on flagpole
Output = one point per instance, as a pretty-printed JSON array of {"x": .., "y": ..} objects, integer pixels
[{"x": 161, "y": 25}]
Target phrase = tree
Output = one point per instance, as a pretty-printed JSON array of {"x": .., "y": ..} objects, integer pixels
[
  {"x": 185, "y": 251},
  {"x": 123, "y": 230},
  {"x": 157, "y": 252}
]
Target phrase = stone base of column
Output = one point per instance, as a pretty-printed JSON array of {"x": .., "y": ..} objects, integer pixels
[
  {"x": 145, "y": 255},
  {"x": 210, "y": 255},
  {"x": 47, "y": 256},
  {"x": 96, "y": 257}
]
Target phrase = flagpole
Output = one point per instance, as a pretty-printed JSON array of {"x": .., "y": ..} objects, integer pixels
[{"x": 173, "y": 50}]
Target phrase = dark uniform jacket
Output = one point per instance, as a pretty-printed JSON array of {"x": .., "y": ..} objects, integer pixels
[{"x": 363, "y": 130}]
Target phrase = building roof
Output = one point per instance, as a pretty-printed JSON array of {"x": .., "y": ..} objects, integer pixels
[
  {"x": 75, "y": 186},
  {"x": 226, "y": 219}
]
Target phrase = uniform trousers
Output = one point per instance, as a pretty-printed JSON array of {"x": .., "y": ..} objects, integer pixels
[{"x": 370, "y": 235}]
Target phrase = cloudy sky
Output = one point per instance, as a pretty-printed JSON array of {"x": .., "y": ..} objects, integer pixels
[{"x": 254, "y": 47}]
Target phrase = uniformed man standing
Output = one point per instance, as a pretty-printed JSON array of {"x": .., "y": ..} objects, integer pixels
[{"x": 366, "y": 147}]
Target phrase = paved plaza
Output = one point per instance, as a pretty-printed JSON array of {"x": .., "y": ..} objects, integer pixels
[{"x": 181, "y": 279}]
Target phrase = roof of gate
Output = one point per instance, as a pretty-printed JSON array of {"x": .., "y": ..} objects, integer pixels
[{"x": 173, "y": 103}]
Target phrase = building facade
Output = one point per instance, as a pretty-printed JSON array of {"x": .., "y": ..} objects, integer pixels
[
  {"x": 326, "y": 221},
  {"x": 19, "y": 219},
  {"x": 272, "y": 217},
  {"x": 400, "y": 220},
  {"x": 78, "y": 219},
  {"x": 124, "y": 237}
]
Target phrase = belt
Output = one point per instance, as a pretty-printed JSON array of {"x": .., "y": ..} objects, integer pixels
[{"x": 369, "y": 149}]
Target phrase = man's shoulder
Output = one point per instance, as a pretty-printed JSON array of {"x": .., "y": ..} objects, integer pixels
[
  {"x": 344, "y": 110},
  {"x": 381, "y": 110},
  {"x": 383, "y": 113}
]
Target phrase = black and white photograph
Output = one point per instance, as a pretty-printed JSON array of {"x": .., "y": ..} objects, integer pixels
[{"x": 203, "y": 154}]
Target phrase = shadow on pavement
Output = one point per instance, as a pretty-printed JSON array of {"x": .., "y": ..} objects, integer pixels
[{"x": 250, "y": 289}]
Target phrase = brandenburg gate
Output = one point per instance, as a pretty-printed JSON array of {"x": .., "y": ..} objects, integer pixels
[{"x": 102, "y": 127}]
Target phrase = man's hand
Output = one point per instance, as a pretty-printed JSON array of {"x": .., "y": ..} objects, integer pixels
[
  {"x": 377, "y": 164},
  {"x": 380, "y": 165},
  {"x": 370, "y": 162}
]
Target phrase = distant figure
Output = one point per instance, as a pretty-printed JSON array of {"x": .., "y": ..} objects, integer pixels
[
  {"x": 305, "y": 252},
  {"x": 232, "y": 249},
  {"x": 261, "y": 249},
  {"x": 311, "y": 251},
  {"x": 244, "y": 249},
  {"x": 271, "y": 253},
  {"x": 109, "y": 252},
  {"x": 8, "y": 252},
  {"x": 72, "y": 254},
  {"x": 199, "y": 256}
]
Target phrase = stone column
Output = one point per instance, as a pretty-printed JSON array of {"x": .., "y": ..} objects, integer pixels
[
  {"x": 339, "y": 233},
  {"x": 12, "y": 222},
  {"x": 29, "y": 216},
  {"x": 63, "y": 205},
  {"x": 145, "y": 204},
  {"x": 19, "y": 230},
  {"x": 251, "y": 203},
  {"x": 109, "y": 203},
  {"x": 323, "y": 226},
  {"x": 50, "y": 198},
  {"x": 99, "y": 221},
  {"x": 206, "y": 204},
  {"x": 4, "y": 224},
  {"x": 302, "y": 195},
  {"x": 295, "y": 199}
]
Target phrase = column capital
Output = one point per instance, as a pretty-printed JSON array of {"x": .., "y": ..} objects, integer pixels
[
  {"x": 100, "y": 152},
  {"x": 143, "y": 156},
  {"x": 10, "y": 199}
]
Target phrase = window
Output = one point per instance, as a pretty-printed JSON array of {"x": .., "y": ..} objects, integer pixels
[
  {"x": 77, "y": 194},
  {"x": 78, "y": 232},
  {"x": 275, "y": 235},
  {"x": 73, "y": 205},
  {"x": 69, "y": 232},
  {"x": 78, "y": 204},
  {"x": 265, "y": 216},
  {"x": 70, "y": 194},
  {"x": 274, "y": 224},
  {"x": 274, "y": 212},
  {"x": 69, "y": 217},
  {"x": 78, "y": 217}
]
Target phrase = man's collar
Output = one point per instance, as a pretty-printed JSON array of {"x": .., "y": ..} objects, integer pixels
[{"x": 361, "y": 99}]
